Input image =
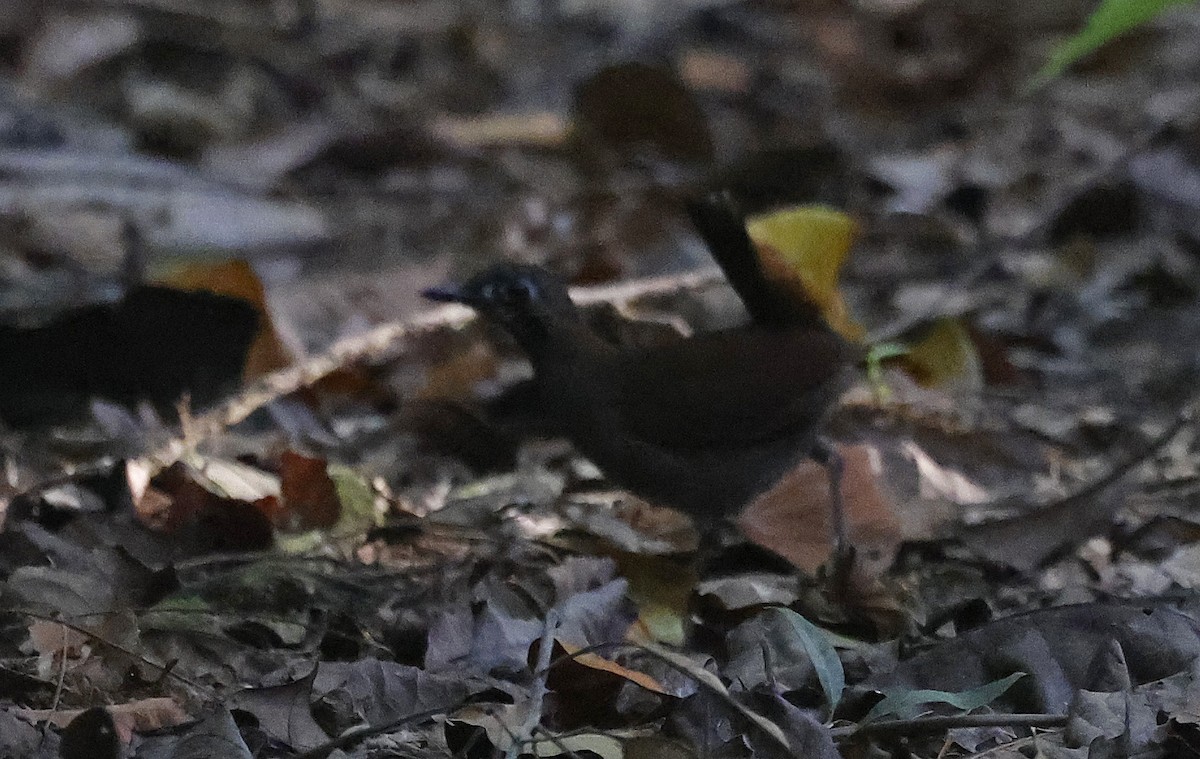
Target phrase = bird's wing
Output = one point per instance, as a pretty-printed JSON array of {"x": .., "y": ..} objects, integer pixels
[{"x": 733, "y": 388}]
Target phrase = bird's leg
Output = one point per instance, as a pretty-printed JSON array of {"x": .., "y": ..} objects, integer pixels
[{"x": 842, "y": 561}]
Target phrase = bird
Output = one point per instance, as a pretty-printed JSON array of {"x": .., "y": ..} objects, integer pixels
[
  {"x": 770, "y": 302},
  {"x": 774, "y": 302},
  {"x": 703, "y": 424}
]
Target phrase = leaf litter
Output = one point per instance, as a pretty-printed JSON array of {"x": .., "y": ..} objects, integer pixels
[{"x": 370, "y": 549}]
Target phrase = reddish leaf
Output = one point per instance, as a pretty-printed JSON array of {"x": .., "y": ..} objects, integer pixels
[
  {"x": 308, "y": 493},
  {"x": 187, "y": 509},
  {"x": 792, "y": 519}
]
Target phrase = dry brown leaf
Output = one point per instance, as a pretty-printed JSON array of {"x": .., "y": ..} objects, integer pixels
[
  {"x": 937, "y": 481},
  {"x": 792, "y": 519},
  {"x": 716, "y": 71},
  {"x": 458, "y": 375},
  {"x": 309, "y": 496},
  {"x": 195, "y": 505},
  {"x": 143, "y": 715},
  {"x": 53, "y": 638},
  {"x": 600, "y": 664}
]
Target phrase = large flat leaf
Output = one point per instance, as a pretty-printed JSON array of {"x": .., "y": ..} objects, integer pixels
[
  {"x": 822, "y": 653},
  {"x": 907, "y": 704}
]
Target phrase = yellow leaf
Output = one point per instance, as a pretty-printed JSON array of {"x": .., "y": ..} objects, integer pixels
[
  {"x": 945, "y": 357},
  {"x": 802, "y": 249},
  {"x": 661, "y": 588}
]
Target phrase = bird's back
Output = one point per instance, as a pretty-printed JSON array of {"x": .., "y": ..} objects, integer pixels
[
  {"x": 732, "y": 388},
  {"x": 707, "y": 423}
]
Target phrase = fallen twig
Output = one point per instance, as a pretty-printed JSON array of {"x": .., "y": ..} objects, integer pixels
[
  {"x": 386, "y": 341},
  {"x": 538, "y": 692},
  {"x": 350, "y": 737},
  {"x": 935, "y": 724}
]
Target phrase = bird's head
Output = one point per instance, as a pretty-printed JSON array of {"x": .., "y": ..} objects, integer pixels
[{"x": 527, "y": 301}]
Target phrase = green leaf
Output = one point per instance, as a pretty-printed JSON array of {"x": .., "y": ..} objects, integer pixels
[
  {"x": 1111, "y": 19},
  {"x": 820, "y": 651},
  {"x": 359, "y": 512},
  {"x": 876, "y": 355},
  {"x": 906, "y": 704}
]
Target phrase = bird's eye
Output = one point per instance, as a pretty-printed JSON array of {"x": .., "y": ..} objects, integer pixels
[{"x": 524, "y": 289}]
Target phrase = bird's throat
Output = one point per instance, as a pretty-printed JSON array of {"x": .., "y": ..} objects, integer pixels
[{"x": 560, "y": 342}]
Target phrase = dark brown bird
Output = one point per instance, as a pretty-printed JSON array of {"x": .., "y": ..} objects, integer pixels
[
  {"x": 704, "y": 424},
  {"x": 770, "y": 303},
  {"x": 774, "y": 305}
]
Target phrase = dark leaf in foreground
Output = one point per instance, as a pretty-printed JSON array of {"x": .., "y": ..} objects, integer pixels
[
  {"x": 497, "y": 637},
  {"x": 378, "y": 692},
  {"x": 284, "y": 711},
  {"x": 783, "y": 648},
  {"x": 1058, "y": 648},
  {"x": 215, "y": 735},
  {"x": 806, "y": 736},
  {"x": 157, "y": 344},
  {"x": 1128, "y": 719},
  {"x": 19, "y": 738}
]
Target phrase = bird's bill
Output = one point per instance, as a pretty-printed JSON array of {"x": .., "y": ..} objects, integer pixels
[{"x": 448, "y": 294}]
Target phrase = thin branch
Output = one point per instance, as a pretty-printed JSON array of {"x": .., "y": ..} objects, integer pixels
[
  {"x": 1039, "y": 533},
  {"x": 538, "y": 693},
  {"x": 1181, "y": 420},
  {"x": 709, "y": 682},
  {"x": 62, "y": 672},
  {"x": 897, "y": 727},
  {"x": 165, "y": 669},
  {"x": 353, "y": 736},
  {"x": 556, "y": 740},
  {"x": 1005, "y": 750}
]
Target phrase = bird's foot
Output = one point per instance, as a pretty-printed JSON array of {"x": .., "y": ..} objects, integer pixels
[
  {"x": 840, "y": 573},
  {"x": 841, "y": 562}
]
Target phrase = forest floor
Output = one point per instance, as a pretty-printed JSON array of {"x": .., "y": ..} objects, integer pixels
[{"x": 261, "y": 499}]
